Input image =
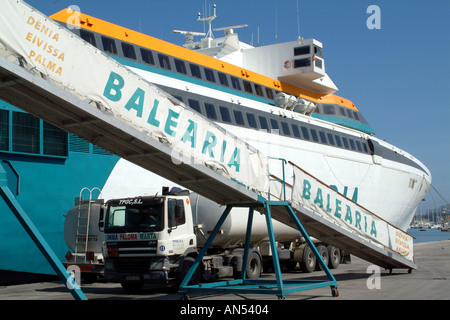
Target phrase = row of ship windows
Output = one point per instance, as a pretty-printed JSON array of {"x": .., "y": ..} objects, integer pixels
[
  {"x": 256, "y": 121},
  {"x": 23, "y": 133},
  {"x": 195, "y": 71},
  {"x": 337, "y": 110}
]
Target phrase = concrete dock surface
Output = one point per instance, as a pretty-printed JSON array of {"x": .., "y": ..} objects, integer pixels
[{"x": 356, "y": 281}]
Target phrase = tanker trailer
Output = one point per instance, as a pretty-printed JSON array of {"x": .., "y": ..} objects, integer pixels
[{"x": 84, "y": 238}]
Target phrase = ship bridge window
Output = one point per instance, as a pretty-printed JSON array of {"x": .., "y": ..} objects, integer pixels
[
  {"x": 305, "y": 133},
  {"x": 248, "y": 87},
  {"x": 358, "y": 146},
  {"x": 239, "y": 117},
  {"x": 263, "y": 123},
  {"x": 331, "y": 139},
  {"x": 323, "y": 137},
  {"x": 366, "y": 150},
  {"x": 147, "y": 56},
  {"x": 300, "y": 63},
  {"x": 259, "y": 90},
  {"x": 338, "y": 141},
  {"x": 346, "y": 145},
  {"x": 329, "y": 109},
  {"x": 109, "y": 45},
  {"x": 314, "y": 135},
  {"x": 225, "y": 114},
  {"x": 352, "y": 144},
  {"x": 296, "y": 131},
  {"x": 299, "y": 51},
  {"x": 88, "y": 37},
  {"x": 318, "y": 51},
  {"x": 251, "y": 120},
  {"x": 164, "y": 61},
  {"x": 235, "y": 83},
  {"x": 269, "y": 93},
  {"x": 285, "y": 128},
  {"x": 350, "y": 113},
  {"x": 195, "y": 71},
  {"x": 194, "y": 104},
  {"x": 274, "y": 124},
  {"x": 223, "y": 79},
  {"x": 210, "y": 75},
  {"x": 318, "y": 63},
  {"x": 180, "y": 66},
  {"x": 342, "y": 110},
  {"x": 210, "y": 111},
  {"x": 355, "y": 114},
  {"x": 128, "y": 51}
]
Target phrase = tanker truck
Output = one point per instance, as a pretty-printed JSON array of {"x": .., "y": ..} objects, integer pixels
[
  {"x": 155, "y": 240},
  {"x": 84, "y": 238}
]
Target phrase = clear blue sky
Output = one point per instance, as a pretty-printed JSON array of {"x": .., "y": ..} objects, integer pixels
[{"x": 398, "y": 76}]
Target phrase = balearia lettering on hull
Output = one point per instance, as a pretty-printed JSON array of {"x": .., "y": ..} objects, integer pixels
[{"x": 335, "y": 207}]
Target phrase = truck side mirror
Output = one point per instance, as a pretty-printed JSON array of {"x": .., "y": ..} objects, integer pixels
[{"x": 101, "y": 222}]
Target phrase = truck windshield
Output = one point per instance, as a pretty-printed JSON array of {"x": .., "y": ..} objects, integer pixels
[{"x": 143, "y": 218}]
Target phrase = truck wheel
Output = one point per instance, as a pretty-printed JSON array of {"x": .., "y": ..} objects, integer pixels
[
  {"x": 308, "y": 262},
  {"x": 254, "y": 265},
  {"x": 324, "y": 254},
  {"x": 186, "y": 265},
  {"x": 334, "y": 257}
]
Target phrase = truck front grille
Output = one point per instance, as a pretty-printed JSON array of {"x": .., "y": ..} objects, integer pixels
[{"x": 135, "y": 248}]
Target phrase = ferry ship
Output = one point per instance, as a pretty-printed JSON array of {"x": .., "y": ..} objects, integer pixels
[{"x": 278, "y": 98}]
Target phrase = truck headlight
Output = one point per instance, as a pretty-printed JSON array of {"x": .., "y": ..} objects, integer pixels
[{"x": 166, "y": 265}]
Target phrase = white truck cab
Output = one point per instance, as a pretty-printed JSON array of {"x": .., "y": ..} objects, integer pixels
[{"x": 145, "y": 237}]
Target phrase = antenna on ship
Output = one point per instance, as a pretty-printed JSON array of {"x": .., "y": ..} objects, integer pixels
[
  {"x": 276, "y": 24},
  {"x": 208, "y": 41},
  {"x": 209, "y": 20},
  {"x": 230, "y": 30},
  {"x": 298, "y": 20},
  {"x": 189, "y": 35}
]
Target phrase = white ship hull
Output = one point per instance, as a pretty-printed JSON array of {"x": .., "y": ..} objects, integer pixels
[{"x": 392, "y": 189}]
